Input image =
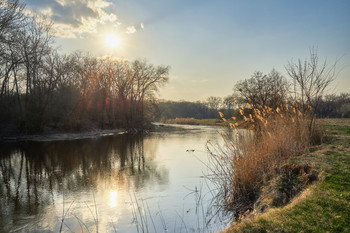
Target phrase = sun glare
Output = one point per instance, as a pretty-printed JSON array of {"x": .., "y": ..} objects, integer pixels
[
  {"x": 113, "y": 198},
  {"x": 112, "y": 41}
]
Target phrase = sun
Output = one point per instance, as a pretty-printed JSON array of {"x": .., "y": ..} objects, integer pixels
[{"x": 112, "y": 41}]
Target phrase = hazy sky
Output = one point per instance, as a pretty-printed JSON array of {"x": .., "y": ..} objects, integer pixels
[{"x": 210, "y": 45}]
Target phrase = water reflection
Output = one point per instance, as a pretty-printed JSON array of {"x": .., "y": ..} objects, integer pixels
[
  {"x": 94, "y": 184},
  {"x": 113, "y": 198},
  {"x": 33, "y": 176}
]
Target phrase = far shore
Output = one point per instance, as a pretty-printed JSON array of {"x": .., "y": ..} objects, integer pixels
[
  {"x": 169, "y": 125},
  {"x": 96, "y": 133},
  {"x": 62, "y": 136}
]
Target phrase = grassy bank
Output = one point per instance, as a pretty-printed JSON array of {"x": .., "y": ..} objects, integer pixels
[{"x": 320, "y": 207}]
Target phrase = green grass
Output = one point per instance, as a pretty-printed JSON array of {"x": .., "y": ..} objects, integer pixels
[
  {"x": 324, "y": 206},
  {"x": 334, "y": 129}
]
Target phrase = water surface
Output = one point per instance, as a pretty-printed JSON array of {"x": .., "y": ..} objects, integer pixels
[{"x": 121, "y": 183}]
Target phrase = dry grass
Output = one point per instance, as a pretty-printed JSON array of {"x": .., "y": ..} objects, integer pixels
[
  {"x": 248, "y": 161},
  {"x": 186, "y": 121},
  {"x": 334, "y": 121}
]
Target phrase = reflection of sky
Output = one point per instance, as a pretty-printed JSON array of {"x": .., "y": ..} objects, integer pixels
[
  {"x": 94, "y": 181},
  {"x": 209, "y": 44}
]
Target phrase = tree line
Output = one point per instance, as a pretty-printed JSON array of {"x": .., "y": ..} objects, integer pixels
[
  {"x": 306, "y": 85},
  {"x": 43, "y": 90},
  {"x": 330, "y": 106}
]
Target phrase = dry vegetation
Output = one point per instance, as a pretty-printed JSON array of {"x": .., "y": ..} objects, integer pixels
[
  {"x": 249, "y": 160},
  {"x": 323, "y": 206},
  {"x": 334, "y": 121},
  {"x": 194, "y": 121}
]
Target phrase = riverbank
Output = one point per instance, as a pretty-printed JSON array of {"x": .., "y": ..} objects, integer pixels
[
  {"x": 322, "y": 204},
  {"x": 62, "y": 136}
]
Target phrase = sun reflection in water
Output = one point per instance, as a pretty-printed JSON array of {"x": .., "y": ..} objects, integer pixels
[{"x": 113, "y": 198}]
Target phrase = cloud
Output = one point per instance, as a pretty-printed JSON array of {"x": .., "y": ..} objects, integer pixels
[
  {"x": 130, "y": 30},
  {"x": 74, "y": 18},
  {"x": 133, "y": 29}
]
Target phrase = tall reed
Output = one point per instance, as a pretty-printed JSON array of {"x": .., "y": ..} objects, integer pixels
[{"x": 248, "y": 159}]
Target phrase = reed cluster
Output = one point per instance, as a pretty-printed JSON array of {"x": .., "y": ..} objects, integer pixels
[{"x": 249, "y": 159}]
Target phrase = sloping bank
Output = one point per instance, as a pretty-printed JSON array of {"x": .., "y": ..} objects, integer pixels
[{"x": 307, "y": 206}]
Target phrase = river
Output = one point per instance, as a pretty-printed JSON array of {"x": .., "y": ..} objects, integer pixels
[{"x": 120, "y": 183}]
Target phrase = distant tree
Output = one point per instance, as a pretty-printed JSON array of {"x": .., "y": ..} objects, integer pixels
[
  {"x": 184, "y": 109},
  {"x": 262, "y": 90},
  {"x": 345, "y": 110},
  {"x": 214, "y": 102},
  {"x": 334, "y": 106},
  {"x": 229, "y": 103}
]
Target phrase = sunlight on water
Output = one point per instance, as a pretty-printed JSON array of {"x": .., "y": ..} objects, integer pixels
[
  {"x": 113, "y": 198},
  {"x": 111, "y": 183}
]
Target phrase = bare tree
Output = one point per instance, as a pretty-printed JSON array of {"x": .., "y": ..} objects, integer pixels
[
  {"x": 310, "y": 79},
  {"x": 146, "y": 80},
  {"x": 262, "y": 90},
  {"x": 214, "y": 102},
  {"x": 11, "y": 18}
]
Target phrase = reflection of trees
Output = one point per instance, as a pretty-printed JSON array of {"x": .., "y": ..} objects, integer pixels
[{"x": 32, "y": 173}]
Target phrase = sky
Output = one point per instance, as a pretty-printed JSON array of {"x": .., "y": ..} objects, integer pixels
[{"x": 209, "y": 45}]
